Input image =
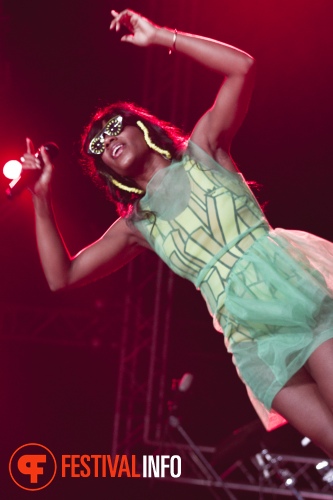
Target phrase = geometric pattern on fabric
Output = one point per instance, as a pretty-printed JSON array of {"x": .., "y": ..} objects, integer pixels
[{"x": 269, "y": 291}]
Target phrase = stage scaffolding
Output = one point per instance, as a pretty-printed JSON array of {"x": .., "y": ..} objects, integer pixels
[
  {"x": 249, "y": 478},
  {"x": 141, "y": 387}
]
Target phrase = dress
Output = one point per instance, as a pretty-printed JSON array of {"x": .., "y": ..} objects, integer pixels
[{"x": 269, "y": 290}]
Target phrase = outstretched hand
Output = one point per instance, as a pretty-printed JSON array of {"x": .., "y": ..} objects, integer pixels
[
  {"x": 31, "y": 162},
  {"x": 141, "y": 30}
]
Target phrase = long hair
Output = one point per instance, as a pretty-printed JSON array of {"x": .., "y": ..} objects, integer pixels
[{"x": 163, "y": 134}]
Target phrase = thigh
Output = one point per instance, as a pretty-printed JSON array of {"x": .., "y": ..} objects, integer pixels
[
  {"x": 320, "y": 367},
  {"x": 302, "y": 404}
]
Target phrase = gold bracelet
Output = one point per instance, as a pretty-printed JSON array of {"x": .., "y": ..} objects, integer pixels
[{"x": 173, "y": 46}]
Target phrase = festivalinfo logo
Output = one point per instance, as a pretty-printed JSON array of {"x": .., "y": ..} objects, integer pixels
[{"x": 33, "y": 466}]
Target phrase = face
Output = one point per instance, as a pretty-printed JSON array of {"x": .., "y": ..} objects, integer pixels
[
  {"x": 127, "y": 152},
  {"x": 122, "y": 148}
]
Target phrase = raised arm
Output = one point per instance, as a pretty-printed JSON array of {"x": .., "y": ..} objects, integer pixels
[
  {"x": 114, "y": 249},
  {"x": 216, "y": 129}
]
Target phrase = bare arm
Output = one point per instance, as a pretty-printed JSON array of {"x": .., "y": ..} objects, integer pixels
[
  {"x": 216, "y": 129},
  {"x": 114, "y": 249}
]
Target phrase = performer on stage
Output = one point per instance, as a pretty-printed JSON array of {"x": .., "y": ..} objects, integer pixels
[{"x": 269, "y": 290}]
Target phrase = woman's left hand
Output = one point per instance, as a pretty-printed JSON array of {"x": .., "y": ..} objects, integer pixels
[{"x": 142, "y": 31}]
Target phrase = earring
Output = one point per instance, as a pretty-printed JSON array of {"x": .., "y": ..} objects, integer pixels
[{"x": 166, "y": 154}]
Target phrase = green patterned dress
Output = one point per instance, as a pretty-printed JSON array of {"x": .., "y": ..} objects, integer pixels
[{"x": 269, "y": 291}]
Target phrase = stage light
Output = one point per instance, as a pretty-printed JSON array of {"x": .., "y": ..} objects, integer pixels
[{"x": 12, "y": 169}]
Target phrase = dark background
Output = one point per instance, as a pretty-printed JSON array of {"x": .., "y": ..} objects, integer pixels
[{"x": 58, "y": 63}]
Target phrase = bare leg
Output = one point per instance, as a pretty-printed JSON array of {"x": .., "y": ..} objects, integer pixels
[
  {"x": 320, "y": 367},
  {"x": 301, "y": 402}
]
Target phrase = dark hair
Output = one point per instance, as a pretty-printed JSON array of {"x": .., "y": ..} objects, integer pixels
[{"x": 163, "y": 134}]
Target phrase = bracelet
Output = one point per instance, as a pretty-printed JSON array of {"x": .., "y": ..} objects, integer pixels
[{"x": 173, "y": 46}]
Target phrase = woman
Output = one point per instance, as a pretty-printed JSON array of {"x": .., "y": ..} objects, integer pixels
[{"x": 268, "y": 290}]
